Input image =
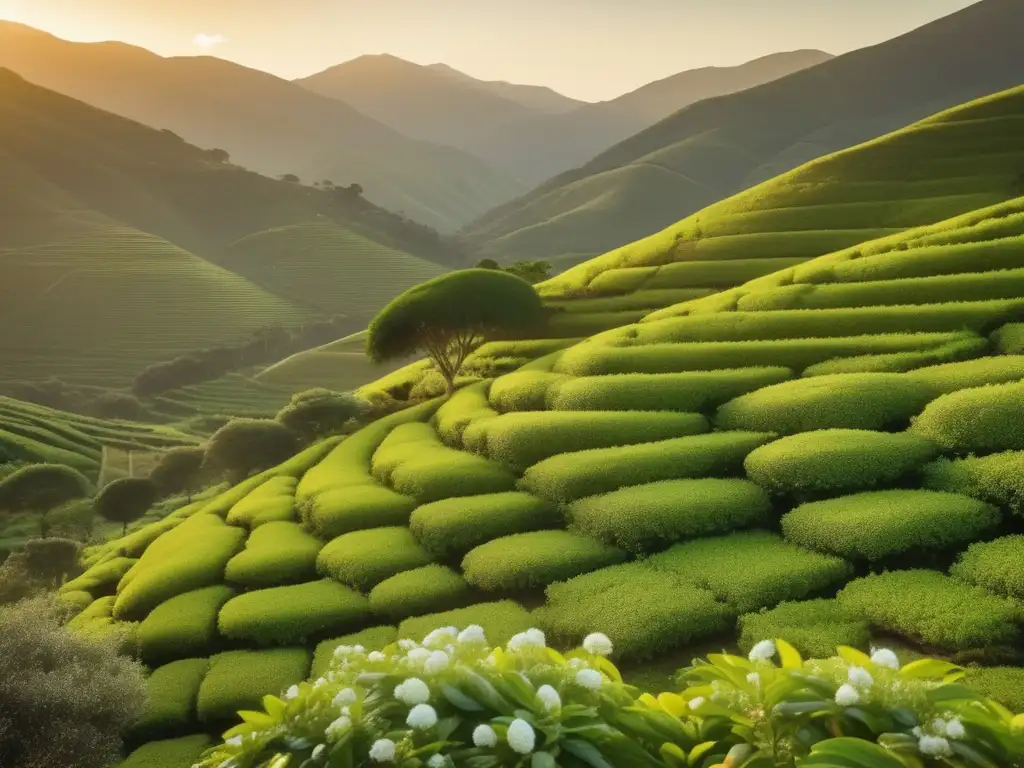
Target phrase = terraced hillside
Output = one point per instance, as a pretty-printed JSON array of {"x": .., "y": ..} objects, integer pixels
[
  {"x": 717, "y": 147},
  {"x": 833, "y": 454}
]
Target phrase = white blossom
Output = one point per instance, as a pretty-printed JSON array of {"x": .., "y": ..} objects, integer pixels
[
  {"x": 296, "y": 742},
  {"x": 883, "y": 657},
  {"x": 521, "y": 737},
  {"x": 292, "y": 692},
  {"x": 418, "y": 655},
  {"x": 412, "y": 692},
  {"x": 338, "y": 728},
  {"x": 422, "y": 717},
  {"x": 318, "y": 751},
  {"x": 320, "y": 682},
  {"x": 472, "y": 635},
  {"x": 436, "y": 663},
  {"x": 939, "y": 725},
  {"x": 376, "y": 656},
  {"x": 589, "y": 678},
  {"x": 529, "y": 638},
  {"x": 437, "y": 761},
  {"x": 696, "y": 703},
  {"x": 763, "y": 651},
  {"x": 754, "y": 679},
  {"x": 860, "y": 677},
  {"x": 955, "y": 729},
  {"x": 847, "y": 695},
  {"x": 934, "y": 746},
  {"x": 549, "y": 698},
  {"x": 358, "y": 649},
  {"x": 345, "y": 697},
  {"x": 342, "y": 650},
  {"x": 577, "y": 664},
  {"x": 440, "y": 637},
  {"x": 598, "y": 644},
  {"x": 407, "y": 645},
  {"x": 536, "y": 637},
  {"x": 234, "y": 741},
  {"x": 383, "y": 751},
  {"x": 484, "y": 736}
]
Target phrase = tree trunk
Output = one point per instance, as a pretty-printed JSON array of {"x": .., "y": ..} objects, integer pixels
[
  {"x": 449, "y": 383},
  {"x": 124, "y": 529}
]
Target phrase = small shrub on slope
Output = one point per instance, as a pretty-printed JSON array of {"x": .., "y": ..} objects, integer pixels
[
  {"x": 243, "y": 447},
  {"x": 373, "y": 639},
  {"x": 170, "y": 753},
  {"x": 530, "y": 560},
  {"x": 276, "y": 553},
  {"x": 445, "y": 472},
  {"x": 171, "y": 700},
  {"x": 421, "y": 590},
  {"x": 365, "y": 558},
  {"x": 240, "y": 679},
  {"x": 359, "y": 507},
  {"x": 1004, "y": 684},
  {"x": 404, "y": 442},
  {"x": 318, "y": 413},
  {"x": 271, "y": 501},
  {"x": 524, "y": 390},
  {"x": 951, "y": 352},
  {"x": 455, "y": 526},
  {"x": 1009, "y": 340},
  {"x": 184, "y": 626},
  {"x": 501, "y": 620},
  {"x": 998, "y": 566},
  {"x": 293, "y": 615},
  {"x": 647, "y": 518},
  {"x": 836, "y": 461},
  {"x": 997, "y": 479},
  {"x": 466, "y": 406},
  {"x": 983, "y": 420},
  {"x": 102, "y": 577},
  {"x": 933, "y": 609},
  {"x": 813, "y": 627},
  {"x": 973, "y": 373}
]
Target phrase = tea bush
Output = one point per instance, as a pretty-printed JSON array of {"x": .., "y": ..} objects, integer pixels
[
  {"x": 136, "y": 542},
  {"x": 972, "y": 373},
  {"x": 405, "y": 442},
  {"x": 647, "y": 518},
  {"x": 185, "y": 625},
  {"x": 530, "y": 560},
  {"x": 836, "y": 461},
  {"x": 998, "y": 566},
  {"x": 373, "y": 639},
  {"x": 813, "y": 627},
  {"x": 572, "y": 476},
  {"x": 240, "y": 679},
  {"x": 422, "y": 590},
  {"x": 171, "y": 700},
  {"x": 363, "y": 559},
  {"x": 358, "y": 507},
  {"x": 102, "y": 577},
  {"x": 276, "y": 553},
  {"x": 273, "y": 500},
  {"x": 523, "y": 390},
  {"x": 455, "y": 526},
  {"x": 982, "y": 420},
  {"x": 169, "y": 753},
  {"x": 997, "y": 479},
  {"x": 293, "y": 615},
  {"x": 445, "y": 472},
  {"x": 501, "y": 620},
  {"x": 1004, "y": 684},
  {"x": 877, "y": 525},
  {"x": 1009, "y": 340},
  {"x": 467, "y": 405},
  {"x": 900, "y": 362}
]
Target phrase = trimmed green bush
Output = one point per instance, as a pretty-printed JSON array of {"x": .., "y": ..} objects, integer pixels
[
  {"x": 190, "y": 557},
  {"x": 875, "y": 401},
  {"x": 1009, "y": 340},
  {"x": 877, "y": 525},
  {"x": 239, "y": 680},
  {"x": 184, "y": 626},
  {"x": 500, "y": 620},
  {"x": 443, "y": 472},
  {"x": 102, "y": 577},
  {"x": 276, "y": 553},
  {"x": 697, "y": 391},
  {"x": 644, "y": 612},
  {"x": 359, "y": 507},
  {"x": 752, "y": 569},
  {"x": 530, "y": 560},
  {"x": 648, "y": 518},
  {"x": 372, "y": 639},
  {"x": 572, "y": 476},
  {"x": 998, "y": 566},
  {"x": 520, "y": 440},
  {"x": 930, "y": 608},
  {"x": 1004, "y": 684},
  {"x": 455, "y": 526},
  {"x": 997, "y": 479},
  {"x": 171, "y": 701},
  {"x": 405, "y": 442},
  {"x": 814, "y": 627},
  {"x": 523, "y": 390},
  {"x": 422, "y": 590},
  {"x": 836, "y": 461},
  {"x": 982, "y": 420},
  {"x": 363, "y": 559},
  {"x": 273, "y": 500},
  {"x": 76, "y": 599},
  {"x": 972, "y": 373},
  {"x": 170, "y": 753},
  {"x": 466, "y": 406},
  {"x": 900, "y": 362},
  {"x": 295, "y": 614}
]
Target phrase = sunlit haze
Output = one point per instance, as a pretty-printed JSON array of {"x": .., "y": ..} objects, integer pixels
[{"x": 589, "y": 49}]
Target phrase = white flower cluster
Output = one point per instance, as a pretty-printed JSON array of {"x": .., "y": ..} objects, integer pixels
[{"x": 935, "y": 741}]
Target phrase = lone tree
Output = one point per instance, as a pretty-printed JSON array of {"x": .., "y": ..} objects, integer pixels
[
  {"x": 319, "y": 413},
  {"x": 126, "y": 500},
  {"x": 39, "y": 488},
  {"x": 180, "y": 470},
  {"x": 243, "y": 447},
  {"x": 447, "y": 317}
]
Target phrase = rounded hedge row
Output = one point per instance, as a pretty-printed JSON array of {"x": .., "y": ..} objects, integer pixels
[
  {"x": 405, "y": 442},
  {"x": 454, "y": 526},
  {"x": 463, "y": 408},
  {"x": 171, "y": 700},
  {"x": 501, "y": 620},
  {"x": 998, "y": 566},
  {"x": 428, "y": 589},
  {"x": 238, "y": 680},
  {"x": 273, "y": 500},
  {"x": 183, "y": 626},
  {"x": 358, "y": 507},
  {"x": 877, "y": 525},
  {"x": 363, "y": 559},
  {"x": 169, "y": 753},
  {"x": 444, "y": 472},
  {"x": 972, "y": 373},
  {"x": 276, "y": 553},
  {"x": 523, "y": 390},
  {"x": 1003, "y": 684},
  {"x": 101, "y": 578},
  {"x": 997, "y": 479},
  {"x": 982, "y": 420},
  {"x": 650, "y": 517},
  {"x": 814, "y": 627},
  {"x": 1009, "y": 340},
  {"x": 836, "y": 461},
  {"x": 530, "y": 560}
]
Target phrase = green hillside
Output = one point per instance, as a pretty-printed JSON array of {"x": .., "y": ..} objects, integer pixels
[
  {"x": 824, "y": 456},
  {"x": 719, "y": 146}
]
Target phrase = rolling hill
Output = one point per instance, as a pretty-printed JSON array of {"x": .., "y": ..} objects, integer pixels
[
  {"x": 719, "y": 146},
  {"x": 539, "y": 98},
  {"x": 266, "y": 123}
]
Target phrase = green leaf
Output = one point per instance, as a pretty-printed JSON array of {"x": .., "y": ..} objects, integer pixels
[
  {"x": 460, "y": 700},
  {"x": 790, "y": 656},
  {"x": 586, "y": 752},
  {"x": 851, "y": 753},
  {"x": 853, "y": 657},
  {"x": 929, "y": 668}
]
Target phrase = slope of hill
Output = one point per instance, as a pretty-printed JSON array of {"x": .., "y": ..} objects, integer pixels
[
  {"x": 726, "y": 475},
  {"x": 266, "y": 123},
  {"x": 539, "y": 98},
  {"x": 718, "y": 146}
]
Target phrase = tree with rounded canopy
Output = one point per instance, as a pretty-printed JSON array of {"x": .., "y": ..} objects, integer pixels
[
  {"x": 126, "y": 500},
  {"x": 243, "y": 447},
  {"x": 180, "y": 470},
  {"x": 319, "y": 413},
  {"x": 39, "y": 488},
  {"x": 449, "y": 316}
]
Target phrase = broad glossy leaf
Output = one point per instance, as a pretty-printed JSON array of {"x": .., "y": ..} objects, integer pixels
[
  {"x": 586, "y": 752},
  {"x": 852, "y": 753},
  {"x": 853, "y": 656},
  {"x": 790, "y": 656},
  {"x": 273, "y": 705},
  {"x": 460, "y": 700},
  {"x": 673, "y": 703},
  {"x": 929, "y": 668}
]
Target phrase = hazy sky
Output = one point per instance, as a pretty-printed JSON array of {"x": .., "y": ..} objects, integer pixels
[{"x": 590, "y": 49}]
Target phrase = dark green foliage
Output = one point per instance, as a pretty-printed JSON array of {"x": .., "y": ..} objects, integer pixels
[
  {"x": 171, "y": 700},
  {"x": 530, "y": 560},
  {"x": 449, "y": 315},
  {"x": 982, "y": 420},
  {"x": 997, "y": 479},
  {"x": 647, "y": 518},
  {"x": 998, "y": 566},
  {"x": 243, "y": 447},
  {"x": 358, "y": 507},
  {"x": 644, "y": 612},
  {"x": 372, "y": 639},
  {"x": 500, "y": 620},
  {"x": 51, "y": 561},
  {"x": 169, "y": 753},
  {"x": 422, "y": 590},
  {"x": 294, "y": 614},
  {"x": 878, "y": 525},
  {"x": 277, "y": 553},
  {"x": 814, "y": 627},
  {"x": 454, "y": 526},
  {"x": 572, "y": 476},
  {"x": 240, "y": 679},
  {"x": 41, "y": 487},
  {"x": 183, "y": 626},
  {"x": 126, "y": 500},
  {"x": 1003, "y": 684},
  {"x": 836, "y": 461},
  {"x": 64, "y": 698},
  {"x": 1009, "y": 340},
  {"x": 933, "y": 609},
  {"x": 318, "y": 413},
  {"x": 180, "y": 470},
  {"x": 363, "y": 559}
]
